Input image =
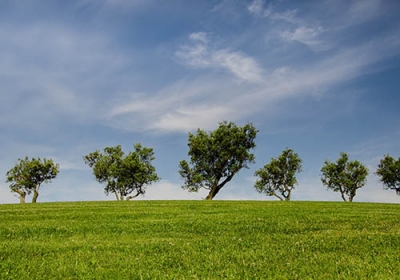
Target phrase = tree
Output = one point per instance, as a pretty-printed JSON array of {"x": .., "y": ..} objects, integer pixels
[
  {"x": 389, "y": 173},
  {"x": 123, "y": 175},
  {"x": 344, "y": 176},
  {"x": 28, "y": 175},
  {"x": 217, "y": 156},
  {"x": 279, "y": 176}
]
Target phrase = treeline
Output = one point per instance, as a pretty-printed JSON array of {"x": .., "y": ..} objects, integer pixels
[{"x": 215, "y": 158}]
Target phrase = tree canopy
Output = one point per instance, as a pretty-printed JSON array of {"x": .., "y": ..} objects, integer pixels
[
  {"x": 278, "y": 177},
  {"x": 123, "y": 175},
  {"x": 216, "y": 156},
  {"x": 389, "y": 173},
  {"x": 344, "y": 176},
  {"x": 28, "y": 175}
]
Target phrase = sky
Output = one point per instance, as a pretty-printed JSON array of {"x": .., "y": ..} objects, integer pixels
[{"x": 320, "y": 77}]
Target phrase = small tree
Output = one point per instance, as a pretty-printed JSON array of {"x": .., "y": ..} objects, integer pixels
[
  {"x": 28, "y": 175},
  {"x": 217, "y": 156},
  {"x": 389, "y": 173},
  {"x": 344, "y": 176},
  {"x": 278, "y": 177},
  {"x": 122, "y": 174}
]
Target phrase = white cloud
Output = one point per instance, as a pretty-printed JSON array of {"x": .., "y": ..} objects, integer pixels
[
  {"x": 195, "y": 55},
  {"x": 206, "y": 100},
  {"x": 199, "y": 54},
  {"x": 307, "y": 36},
  {"x": 182, "y": 106},
  {"x": 186, "y": 119},
  {"x": 242, "y": 66},
  {"x": 256, "y": 7},
  {"x": 199, "y": 36},
  {"x": 300, "y": 29}
]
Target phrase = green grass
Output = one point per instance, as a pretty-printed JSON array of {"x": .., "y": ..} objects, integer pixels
[{"x": 200, "y": 240}]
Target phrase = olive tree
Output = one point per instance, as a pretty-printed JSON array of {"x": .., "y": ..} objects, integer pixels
[
  {"x": 389, "y": 173},
  {"x": 123, "y": 174},
  {"x": 344, "y": 176},
  {"x": 28, "y": 175},
  {"x": 216, "y": 156},
  {"x": 278, "y": 177}
]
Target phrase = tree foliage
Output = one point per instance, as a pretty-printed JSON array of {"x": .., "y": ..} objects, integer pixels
[
  {"x": 217, "y": 156},
  {"x": 28, "y": 175},
  {"x": 123, "y": 175},
  {"x": 389, "y": 173},
  {"x": 278, "y": 177},
  {"x": 344, "y": 176}
]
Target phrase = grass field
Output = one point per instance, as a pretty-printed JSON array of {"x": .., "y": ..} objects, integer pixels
[{"x": 200, "y": 240}]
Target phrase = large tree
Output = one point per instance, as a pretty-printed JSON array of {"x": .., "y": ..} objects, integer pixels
[
  {"x": 216, "y": 156},
  {"x": 278, "y": 177},
  {"x": 123, "y": 174},
  {"x": 28, "y": 175},
  {"x": 389, "y": 173},
  {"x": 344, "y": 176}
]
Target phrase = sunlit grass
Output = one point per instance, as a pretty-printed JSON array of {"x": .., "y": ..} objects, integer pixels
[{"x": 200, "y": 240}]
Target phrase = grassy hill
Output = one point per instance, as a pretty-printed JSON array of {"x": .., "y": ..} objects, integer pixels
[{"x": 200, "y": 240}]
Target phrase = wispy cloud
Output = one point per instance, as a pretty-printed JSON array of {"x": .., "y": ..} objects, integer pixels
[
  {"x": 190, "y": 104},
  {"x": 298, "y": 30},
  {"x": 198, "y": 53},
  {"x": 181, "y": 106},
  {"x": 307, "y": 36},
  {"x": 256, "y": 8}
]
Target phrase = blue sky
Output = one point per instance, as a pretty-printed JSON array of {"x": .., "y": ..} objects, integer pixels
[{"x": 320, "y": 77}]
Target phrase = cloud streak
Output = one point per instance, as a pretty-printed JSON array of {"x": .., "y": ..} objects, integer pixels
[
  {"x": 204, "y": 101},
  {"x": 199, "y": 55}
]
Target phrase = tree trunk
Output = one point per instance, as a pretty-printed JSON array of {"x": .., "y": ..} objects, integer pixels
[
  {"x": 35, "y": 196},
  {"x": 22, "y": 196},
  {"x": 287, "y": 198},
  {"x": 351, "y": 198},
  {"x": 213, "y": 192},
  {"x": 280, "y": 198},
  {"x": 216, "y": 188}
]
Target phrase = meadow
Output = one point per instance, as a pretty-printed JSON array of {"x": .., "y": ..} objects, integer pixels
[{"x": 200, "y": 240}]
